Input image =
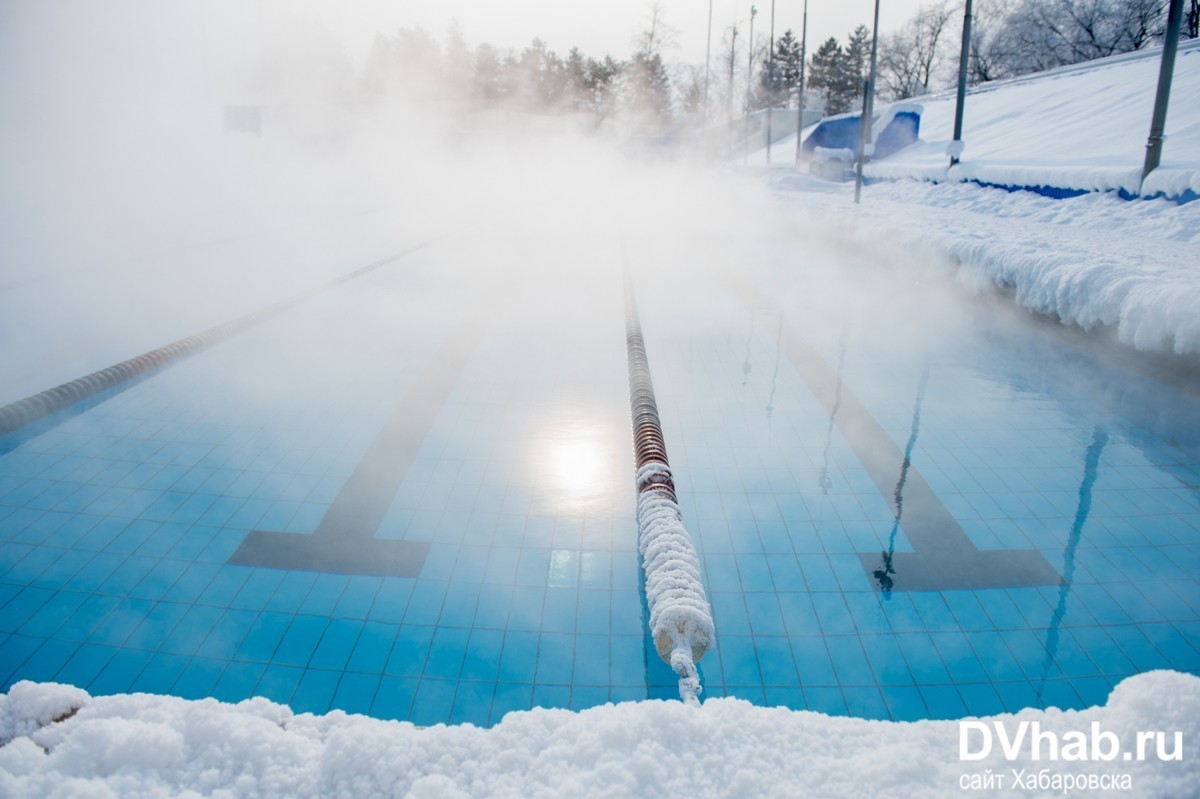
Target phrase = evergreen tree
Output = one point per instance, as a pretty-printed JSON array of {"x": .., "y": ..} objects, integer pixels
[
  {"x": 825, "y": 76},
  {"x": 855, "y": 64},
  {"x": 786, "y": 78},
  {"x": 649, "y": 88}
]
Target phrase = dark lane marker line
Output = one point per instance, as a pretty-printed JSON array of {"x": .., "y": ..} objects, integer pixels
[
  {"x": 945, "y": 558},
  {"x": 344, "y": 541}
]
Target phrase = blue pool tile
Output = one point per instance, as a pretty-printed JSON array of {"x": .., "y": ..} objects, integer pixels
[
  {"x": 775, "y": 660},
  {"x": 509, "y": 697},
  {"x": 237, "y": 681},
  {"x": 518, "y": 661},
  {"x": 355, "y": 693},
  {"x": 460, "y": 605},
  {"x": 849, "y": 661},
  {"x": 425, "y": 604},
  {"x": 591, "y": 660},
  {"x": 481, "y": 660},
  {"x": 923, "y": 658},
  {"x": 336, "y": 644},
  {"x": 967, "y": 610},
  {"x": 825, "y": 699},
  {"x": 60, "y": 573},
  {"x": 190, "y": 631},
  {"x": 799, "y": 615},
  {"x": 552, "y": 696},
  {"x": 198, "y": 678},
  {"x": 943, "y": 701},
  {"x": 160, "y": 673},
  {"x": 832, "y": 613},
  {"x": 472, "y": 702},
  {"x": 291, "y": 591},
  {"x": 555, "y": 658},
  {"x": 1178, "y": 651},
  {"x": 867, "y": 610},
  {"x": 156, "y": 625},
  {"x": 812, "y": 661},
  {"x": 120, "y": 673},
  {"x": 865, "y": 701},
  {"x": 525, "y": 612},
  {"x": 409, "y": 651},
  {"x": 446, "y": 653},
  {"x": 356, "y": 600},
  {"x": 391, "y": 601},
  {"x": 323, "y": 597},
  {"x": 739, "y": 661},
  {"x": 981, "y": 699},
  {"x": 1060, "y": 694},
  {"x": 887, "y": 661},
  {"x": 50, "y": 610},
  {"x": 628, "y": 663},
  {"x": 223, "y": 587},
  {"x": 1137, "y": 647},
  {"x": 904, "y": 703},
  {"x": 13, "y": 653},
  {"x": 587, "y": 696},
  {"x": 991, "y": 649},
  {"x": 263, "y": 636},
  {"x": 314, "y": 693},
  {"x": 764, "y": 614},
  {"x": 558, "y": 612},
  {"x": 301, "y": 639},
  {"x": 373, "y": 647},
  {"x": 592, "y": 612},
  {"x": 121, "y": 622},
  {"x": 729, "y": 613},
  {"x": 85, "y": 664},
  {"x": 278, "y": 683},
  {"x": 87, "y": 618}
]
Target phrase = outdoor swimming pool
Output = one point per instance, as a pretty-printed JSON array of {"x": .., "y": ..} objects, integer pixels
[{"x": 412, "y": 496}]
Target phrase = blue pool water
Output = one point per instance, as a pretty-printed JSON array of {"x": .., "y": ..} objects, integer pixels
[{"x": 840, "y": 466}]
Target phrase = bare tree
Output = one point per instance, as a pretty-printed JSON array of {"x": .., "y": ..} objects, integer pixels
[
  {"x": 657, "y": 35},
  {"x": 1049, "y": 33},
  {"x": 909, "y": 60}
]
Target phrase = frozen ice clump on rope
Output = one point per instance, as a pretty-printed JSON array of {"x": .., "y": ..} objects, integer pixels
[{"x": 680, "y": 619}]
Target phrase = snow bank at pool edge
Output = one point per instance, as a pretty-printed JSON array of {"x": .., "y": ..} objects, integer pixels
[{"x": 164, "y": 746}]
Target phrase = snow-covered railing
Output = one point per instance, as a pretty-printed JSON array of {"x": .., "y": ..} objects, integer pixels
[{"x": 680, "y": 619}]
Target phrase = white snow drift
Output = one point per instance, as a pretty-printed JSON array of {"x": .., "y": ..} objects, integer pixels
[{"x": 155, "y": 746}]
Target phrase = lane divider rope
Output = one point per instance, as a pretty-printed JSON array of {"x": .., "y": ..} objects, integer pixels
[
  {"x": 681, "y": 621},
  {"x": 24, "y": 412}
]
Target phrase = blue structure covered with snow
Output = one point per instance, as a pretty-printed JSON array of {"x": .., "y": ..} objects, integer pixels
[{"x": 897, "y": 128}]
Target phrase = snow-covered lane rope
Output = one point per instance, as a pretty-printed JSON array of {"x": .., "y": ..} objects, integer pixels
[{"x": 680, "y": 619}]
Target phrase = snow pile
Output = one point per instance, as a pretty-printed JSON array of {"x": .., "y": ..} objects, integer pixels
[
  {"x": 680, "y": 620},
  {"x": 1081, "y": 128},
  {"x": 152, "y": 746},
  {"x": 1094, "y": 260}
]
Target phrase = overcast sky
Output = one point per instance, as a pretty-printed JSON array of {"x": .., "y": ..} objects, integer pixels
[{"x": 595, "y": 26}]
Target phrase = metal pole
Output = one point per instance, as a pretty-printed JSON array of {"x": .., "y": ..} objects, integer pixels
[
  {"x": 770, "y": 81},
  {"x": 864, "y": 124},
  {"x": 963, "y": 59},
  {"x": 707, "y": 60},
  {"x": 800, "y": 97},
  {"x": 749, "y": 84},
  {"x": 1166, "y": 69}
]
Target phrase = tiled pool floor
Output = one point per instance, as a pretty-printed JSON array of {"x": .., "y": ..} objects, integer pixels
[{"x": 119, "y": 524}]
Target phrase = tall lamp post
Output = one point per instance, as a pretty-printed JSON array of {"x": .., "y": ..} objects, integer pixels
[
  {"x": 864, "y": 123},
  {"x": 707, "y": 60},
  {"x": 956, "y": 146},
  {"x": 800, "y": 95},
  {"x": 1166, "y": 69},
  {"x": 770, "y": 81},
  {"x": 749, "y": 84}
]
